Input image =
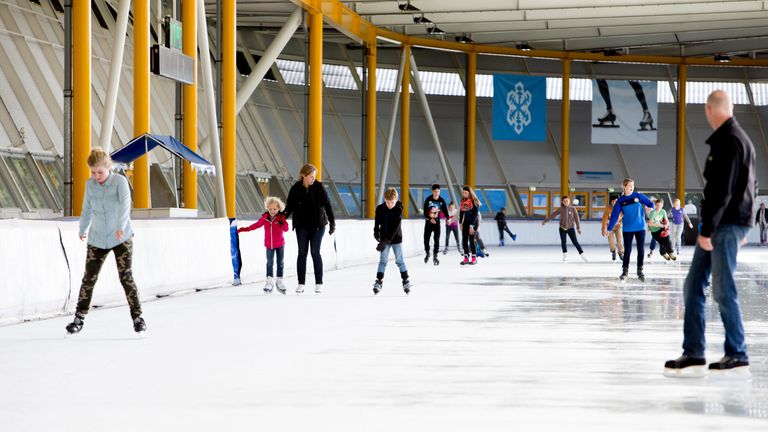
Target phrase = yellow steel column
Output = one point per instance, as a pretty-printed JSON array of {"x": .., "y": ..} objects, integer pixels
[
  {"x": 370, "y": 133},
  {"x": 565, "y": 128},
  {"x": 141, "y": 98},
  {"x": 682, "y": 80},
  {"x": 81, "y": 102},
  {"x": 189, "y": 41},
  {"x": 228, "y": 105},
  {"x": 405, "y": 132},
  {"x": 471, "y": 119},
  {"x": 315, "y": 136}
]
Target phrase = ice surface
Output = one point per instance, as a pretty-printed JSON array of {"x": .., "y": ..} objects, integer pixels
[{"x": 521, "y": 341}]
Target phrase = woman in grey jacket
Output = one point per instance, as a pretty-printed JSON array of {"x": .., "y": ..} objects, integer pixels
[
  {"x": 105, "y": 221},
  {"x": 569, "y": 218}
]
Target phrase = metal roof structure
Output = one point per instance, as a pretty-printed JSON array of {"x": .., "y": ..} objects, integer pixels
[{"x": 676, "y": 28}]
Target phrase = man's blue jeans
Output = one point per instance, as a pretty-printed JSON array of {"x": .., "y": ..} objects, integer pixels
[
  {"x": 384, "y": 257},
  {"x": 721, "y": 263}
]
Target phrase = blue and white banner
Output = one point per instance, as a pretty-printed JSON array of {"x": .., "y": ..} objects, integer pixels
[
  {"x": 624, "y": 112},
  {"x": 519, "y": 108}
]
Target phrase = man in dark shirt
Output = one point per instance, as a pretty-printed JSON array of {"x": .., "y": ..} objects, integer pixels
[
  {"x": 433, "y": 206},
  {"x": 726, "y": 217}
]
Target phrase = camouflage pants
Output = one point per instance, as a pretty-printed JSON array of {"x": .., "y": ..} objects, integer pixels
[{"x": 93, "y": 263}]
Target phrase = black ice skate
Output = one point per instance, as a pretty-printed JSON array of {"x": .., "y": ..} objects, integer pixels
[
  {"x": 640, "y": 274},
  {"x": 685, "y": 367},
  {"x": 613, "y": 256},
  {"x": 624, "y": 275},
  {"x": 426, "y": 258},
  {"x": 730, "y": 365},
  {"x": 377, "y": 286},
  {"x": 646, "y": 124},
  {"x": 139, "y": 326},
  {"x": 607, "y": 117},
  {"x": 407, "y": 286},
  {"x": 76, "y": 325},
  {"x": 435, "y": 261}
]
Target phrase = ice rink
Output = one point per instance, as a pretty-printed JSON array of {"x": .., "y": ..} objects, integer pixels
[{"x": 522, "y": 341}]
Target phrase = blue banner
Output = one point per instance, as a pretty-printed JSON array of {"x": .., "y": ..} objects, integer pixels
[{"x": 519, "y": 108}]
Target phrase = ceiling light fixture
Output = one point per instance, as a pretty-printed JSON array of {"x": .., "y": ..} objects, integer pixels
[
  {"x": 722, "y": 58},
  {"x": 408, "y": 7},
  {"x": 524, "y": 47},
  {"x": 434, "y": 30},
  {"x": 463, "y": 38},
  {"x": 421, "y": 19}
]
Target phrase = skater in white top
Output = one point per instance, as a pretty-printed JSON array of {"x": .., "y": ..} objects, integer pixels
[
  {"x": 452, "y": 227},
  {"x": 105, "y": 223}
]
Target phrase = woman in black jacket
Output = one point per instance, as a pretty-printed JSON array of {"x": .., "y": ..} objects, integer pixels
[{"x": 311, "y": 209}]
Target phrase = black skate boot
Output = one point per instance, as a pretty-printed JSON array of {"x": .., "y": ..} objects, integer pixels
[
  {"x": 76, "y": 325},
  {"x": 646, "y": 123},
  {"x": 378, "y": 285},
  {"x": 406, "y": 282},
  {"x": 435, "y": 261},
  {"x": 640, "y": 274},
  {"x": 606, "y": 118},
  {"x": 624, "y": 274},
  {"x": 426, "y": 258},
  {"x": 139, "y": 326},
  {"x": 685, "y": 367},
  {"x": 613, "y": 255},
  {"x": 731, "y": 365}
]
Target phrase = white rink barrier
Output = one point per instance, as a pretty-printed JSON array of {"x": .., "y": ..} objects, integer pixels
[
  {"x": 41, "y": 270},
  {"x": 42, "y": 262}
]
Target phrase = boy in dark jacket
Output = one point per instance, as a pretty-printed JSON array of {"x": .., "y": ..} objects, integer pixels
[
  {"x": 501, "y": 223},
  {"x": 434, "y": 205},
  {"x": 386, "y": 230}
]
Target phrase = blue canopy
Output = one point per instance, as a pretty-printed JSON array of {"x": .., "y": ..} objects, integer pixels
[{"x": 146, "y": 142}]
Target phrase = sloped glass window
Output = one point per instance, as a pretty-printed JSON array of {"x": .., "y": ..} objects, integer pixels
[
  {"x": 52, "y": 178},
  {"x": 25, "y": 178},
  {"x": 6, "y": 199}
]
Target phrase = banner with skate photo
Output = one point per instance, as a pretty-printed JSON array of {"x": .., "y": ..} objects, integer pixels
[
  {"x": 519, "y": 108},
  {"x": 624, "y": 112}
]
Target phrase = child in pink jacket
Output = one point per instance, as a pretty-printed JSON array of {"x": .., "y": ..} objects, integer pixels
[{"x": 275, "y": 225}]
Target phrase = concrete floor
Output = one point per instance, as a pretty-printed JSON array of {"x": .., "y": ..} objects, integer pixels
[{"x": 521, "y": 341}]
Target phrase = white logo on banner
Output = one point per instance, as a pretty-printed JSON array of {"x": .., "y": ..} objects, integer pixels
[{"x": 519, "y": 101}]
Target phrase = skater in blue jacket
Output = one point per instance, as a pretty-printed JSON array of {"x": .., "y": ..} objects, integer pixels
[{"x": 631, "y": 205}]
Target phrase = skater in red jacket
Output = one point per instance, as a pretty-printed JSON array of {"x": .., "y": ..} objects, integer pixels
[{"x": 275, "y": 225}]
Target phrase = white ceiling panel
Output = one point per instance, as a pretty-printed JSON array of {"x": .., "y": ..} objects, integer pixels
[{"x": 660, "y": 27}]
